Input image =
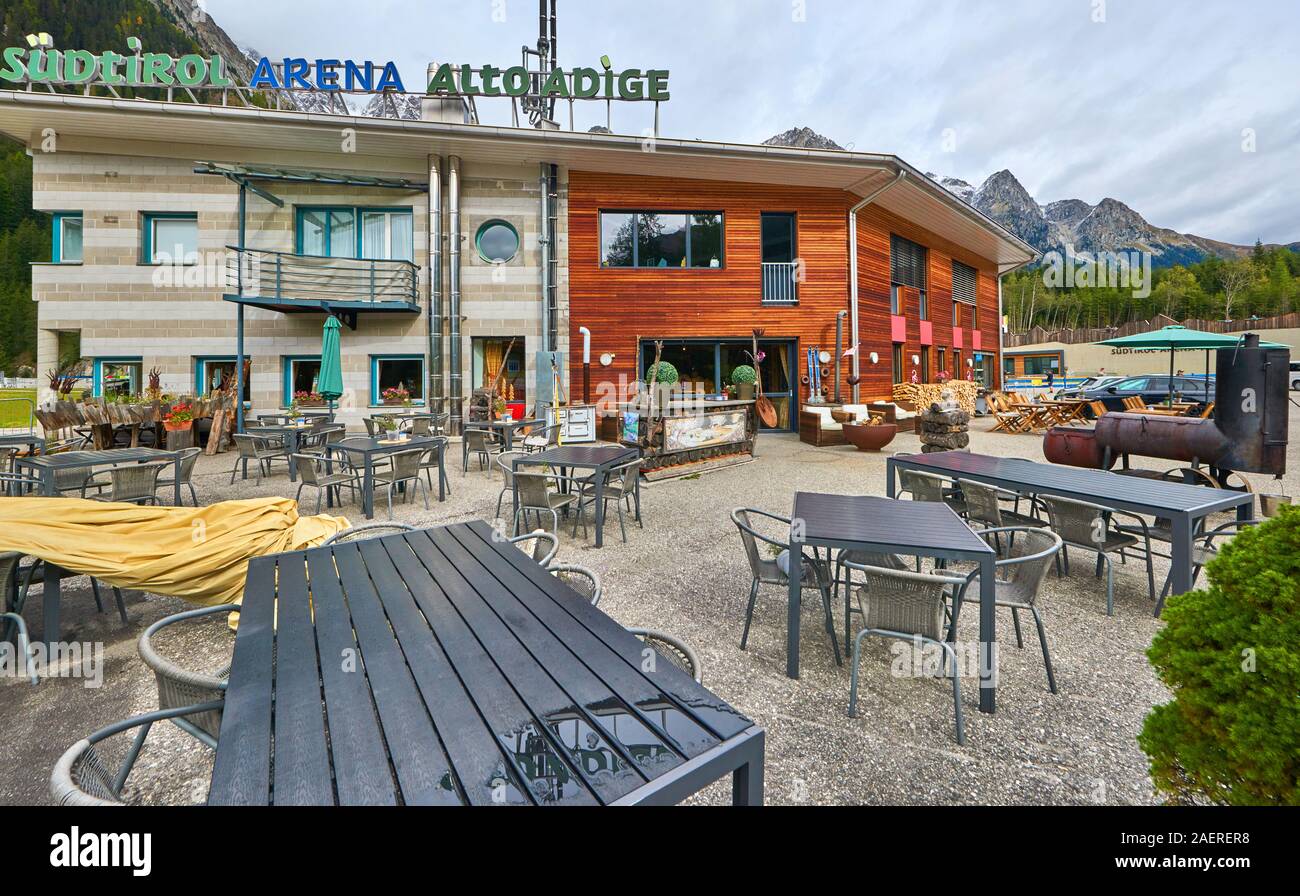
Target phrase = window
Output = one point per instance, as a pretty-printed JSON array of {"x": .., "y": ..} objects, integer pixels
[
  {"x": 67, "y": 238},
  {"x": 661, "y": 239},
  {"x": 778, "y": 235},
  {"x": 497, "y": 242},
  {"x": 924, "y": 306},
  {"x": 397, "y": 372},
  {"x": 383, "y": 233},
  {"x": 1008, "y": 367},
  {"x": 117, "y": 376},
  {"x": 898, "y": 362},
  {"x": 1039, "y": 365},
  {"x": 300, "y": 377},
  {"x": 943, "y": 359},
  {"x": 895, "y": 300},
  {"x": 958, "y": 372},
  {"x": 963, "y": 283},
  {"x": 925, "y": 363},
  {"x": 171, "y": 238},
  {"x": 210, "y": 373},
  {"x": 907, "y": 262},
  {"x": 956, "y": 314}
]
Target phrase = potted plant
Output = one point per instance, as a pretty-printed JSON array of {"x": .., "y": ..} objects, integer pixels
[
  {"x": 387, "y": 425},
  {"x": 179, "y": 418},
  {"x": 395, "y": 395},
  {"x": 743, "y": 378}
]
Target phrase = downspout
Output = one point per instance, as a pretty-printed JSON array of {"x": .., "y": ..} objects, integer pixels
[
  {"x": 853, "y": 277},
  {"x": 544, "y": 243},
  {"x": 453, "y": 237},
  {"x": 436, "y": 392},
  {"x": 239, "y": 311},
  {"x": 997, "y": 374}
]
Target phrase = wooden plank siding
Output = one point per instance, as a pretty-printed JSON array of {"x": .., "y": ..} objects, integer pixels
[{"x": 622, "y": 306}]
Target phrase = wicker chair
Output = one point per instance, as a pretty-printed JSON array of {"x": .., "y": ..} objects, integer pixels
[
  {"x": 421, "y": 426},
  {"x": 370, "y": 530},
  {"x": 9, "y": 564},
  {"x": 540, "y": 440},
  {"x": 178, "y": 687},
  {"x": 984, "y": 505},
  {"x": 581, "y": 579},
  {"x": 845, "y": 563},
  {"x": 435, "y": 458},
  {"x": 1024, "y": 556},
  {"x": 405, "y": 471},
  {"x": 483, "y": 443},
  {"x": 505, "y": 461},
  {"x": 536, "y": 497},
  {"x": 189, "y": 457},
  {"x": 310, "y": 475},
  {"x": 1089, "y": 527},
  {"x": 438, "y": 424},
  {"x": 261, "y": 451},
  {"x": 815, "y": 572},
  {"x": 676, "y": 651},
  {"x": 928, "y": 487},
  {"x": 83, "y": 777},
  {"x": 908, "y": 606},
  {"x": 619, "y": 490},
  {"x": 128, "y": 484},
  {"x": 544, "y": 545}
]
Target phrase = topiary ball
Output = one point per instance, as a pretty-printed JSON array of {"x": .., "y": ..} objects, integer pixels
[
  {"x": 667, "y": 374},
  {"x": 744, "y": 375}
]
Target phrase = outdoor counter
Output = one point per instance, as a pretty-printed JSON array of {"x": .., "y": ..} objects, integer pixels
[{"x": 689, "y": 431}]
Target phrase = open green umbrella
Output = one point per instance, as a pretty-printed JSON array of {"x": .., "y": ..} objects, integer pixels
[
  {"x": 329, "y": 383},
  {"x": 1176, "y": 337}
]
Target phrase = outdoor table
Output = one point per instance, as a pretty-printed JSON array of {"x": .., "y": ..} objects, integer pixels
[
  {"x": 886, "y": 526},
  {"x": 1182, "y": 505},
  {"x": 444, "y": 666},
  {"x": 30, "y": 440},
  {"x": 507, "y": 428},
  {"x": 369, "y": 448},
  {"x": 600, "y": 459},
  {"x": 44, "y": 466},
  {"x": 291, "y": 433}
]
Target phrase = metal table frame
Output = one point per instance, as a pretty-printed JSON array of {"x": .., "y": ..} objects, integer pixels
[
  {"x": 919, "y": 533},
  {"x": 45, "y": 465},
  {"x": 1182, "y": 505},
  {"x": 291, "y": 434},
  {"x": 463, "y": 645},
  {"x": 30, "y": 440},
  {"x": 600, "y": 459},
  {"x": 507, "y": 429},
  {"x": 369, "y": 448}
]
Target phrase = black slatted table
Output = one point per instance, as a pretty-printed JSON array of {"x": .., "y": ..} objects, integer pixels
[
  {"x": 1181, "y": 504},
  {"x": 446, "y": 667},
  {"x": 883, "y": 525}
]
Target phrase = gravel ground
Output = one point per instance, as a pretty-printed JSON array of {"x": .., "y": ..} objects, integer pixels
[{"x": 685, "y": 573}]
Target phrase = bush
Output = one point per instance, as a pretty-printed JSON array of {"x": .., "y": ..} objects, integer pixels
[
  {"x": 667, "y": 374},
  {"x": 744, "y": 374},
  {"x": 1231, "y": 655}
]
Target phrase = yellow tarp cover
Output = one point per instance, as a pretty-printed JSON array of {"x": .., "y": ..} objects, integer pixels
[{"x": 200, "y": 554}]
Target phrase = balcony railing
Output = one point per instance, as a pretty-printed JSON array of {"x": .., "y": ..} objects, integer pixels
[
  {"x": 780, "y": 283},
  {"x": 265, "y": 274}
]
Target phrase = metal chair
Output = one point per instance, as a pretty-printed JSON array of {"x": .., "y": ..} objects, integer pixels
[
  {"x": 370, "y": 530},
  {"x": 189, "y": 457},
  {"x": 536, "y": 497},
  {"x": 815, "y": 572},
  {"x": 907, "y": 606},
  {"x": 435, "y": 458},
  {"x": 405, "y": 471},
  {"x": 540, "y": 440},
  {"x": 929, "y": 487},
  {"x": 180, "y": 687},
  {"x": 1088, "y": 527},
  {"x": 438, "y": 424},
  {"x": 842, "y": 574},
  {"x": 505, "y": 461},
  {"x": 483, "y": 443},
  {"x": 619, "y": 490},
  {"x": 310, "y": 475},
  {"x": 129, "y": 484},
  {"x": 9, "y": 562},
  {"x": 984, "y": 505},
  {"x": 1018, "y": 575},
  {"x": 544, "y": 545},
  {"x": 421, "y": 426},
  {"x": 372, "y": 428},
  {"x": 261, "y": 451},
  {"x": 17, "y": 484},
  {"x": 676, "y": 651},
  {"x": 83, "y": 777},
  {"x": 1204, "y": 550},
  {"x": 15, "y": 596},
  {"x": 581, "y": 579}
]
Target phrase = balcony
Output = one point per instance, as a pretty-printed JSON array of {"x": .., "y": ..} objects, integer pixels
[
  {"x": 780, "y": 283},
  {"x": 300, "y": 284}
]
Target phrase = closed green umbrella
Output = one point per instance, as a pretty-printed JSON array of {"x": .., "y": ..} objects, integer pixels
[{"x": 330, "y": 381}]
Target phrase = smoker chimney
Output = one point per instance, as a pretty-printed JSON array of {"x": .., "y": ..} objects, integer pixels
[{"x": 449, "y": 109}]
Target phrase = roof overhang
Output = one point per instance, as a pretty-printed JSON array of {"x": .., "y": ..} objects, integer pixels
[{"x": 267, "y": 134}]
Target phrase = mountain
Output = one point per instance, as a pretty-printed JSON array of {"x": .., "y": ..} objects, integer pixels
[
  {"x": 191, "y": 19},
  {"x": 802, "y": 138}
]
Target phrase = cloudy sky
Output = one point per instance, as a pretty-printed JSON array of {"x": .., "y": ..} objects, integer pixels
[{"x": 1187, "y": 111}]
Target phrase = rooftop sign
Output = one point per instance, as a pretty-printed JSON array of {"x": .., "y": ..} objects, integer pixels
[
  {"x": 40, "y": 65},
  {"x": 578, "y": 83}
]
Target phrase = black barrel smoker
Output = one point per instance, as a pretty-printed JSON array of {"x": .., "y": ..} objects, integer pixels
[{"x": 1247, "y": 433}]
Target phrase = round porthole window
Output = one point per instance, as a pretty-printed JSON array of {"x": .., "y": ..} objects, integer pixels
[{"x": 497, "y": 242}]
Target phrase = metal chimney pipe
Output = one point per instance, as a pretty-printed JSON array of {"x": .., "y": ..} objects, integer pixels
[
  {"x": 839, "y": 350},
  {"x": 454, "y": 237},
  {"x": 436, "y": 392}
]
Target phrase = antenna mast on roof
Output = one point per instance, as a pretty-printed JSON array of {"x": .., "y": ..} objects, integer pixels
[{"x": 541, "y": 110}]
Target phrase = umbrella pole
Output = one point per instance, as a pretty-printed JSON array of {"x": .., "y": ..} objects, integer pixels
[
  {"x": 1172, "y": 352},
  {"x": 1205, "y": 385}
]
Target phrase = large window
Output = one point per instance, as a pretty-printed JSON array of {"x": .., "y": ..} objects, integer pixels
[
  {"x": 907, "y": 267},
  {"x": 379, "y": 233},
  {"x": 301, "y": 375},
  {"x": 925, "y": 363},
  {"x": 67, "y": 238},
  {"x": 211, "y": 373},
  {"x": 170, "y": 238},
  {"x": 1039, "y": 365},
  {"x": 898, "y": 362},
  {"x": 118, "y": 377},
  {"x": 403, "y": 372},
  {"x": 638, "y": 239},
  {"x": 964, "y": 278}
]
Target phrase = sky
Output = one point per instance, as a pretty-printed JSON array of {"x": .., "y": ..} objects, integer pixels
[{"x": 1186, "y": 110}]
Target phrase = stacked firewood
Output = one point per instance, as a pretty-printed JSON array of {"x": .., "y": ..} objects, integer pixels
[{"x": 944, "y": 426}]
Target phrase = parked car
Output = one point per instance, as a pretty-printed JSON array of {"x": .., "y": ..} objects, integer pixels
[
  {"x": 1151, "y": 388},
  {"x": 1295, "y": 375},
  {"x": 1091, "y": 383}
]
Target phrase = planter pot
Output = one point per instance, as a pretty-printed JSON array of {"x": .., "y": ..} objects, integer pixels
[
  {"x": 865, "y": 437},
  {"x": 178, "y": 427},
  {"x": 745, "y": 391}
]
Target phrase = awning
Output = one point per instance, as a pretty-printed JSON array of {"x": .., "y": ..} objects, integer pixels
[{"x": 247, "y": 173}]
